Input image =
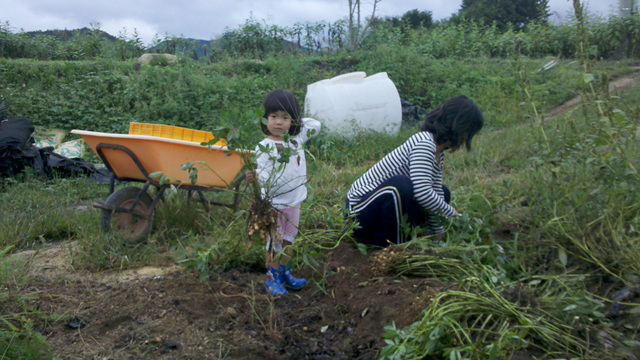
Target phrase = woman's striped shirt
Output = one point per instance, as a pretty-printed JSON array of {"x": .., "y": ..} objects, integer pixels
[{"x": 415, "y": 159}]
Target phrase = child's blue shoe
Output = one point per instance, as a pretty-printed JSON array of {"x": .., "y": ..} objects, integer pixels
[
  {"x": 288, "y": 279},
  {"x": 274, "y": 283}
]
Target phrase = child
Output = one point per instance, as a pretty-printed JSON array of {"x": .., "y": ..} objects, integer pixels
[{"x": 283, "y": 183}]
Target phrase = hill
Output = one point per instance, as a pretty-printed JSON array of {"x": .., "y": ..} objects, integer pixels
[{"x": 66, "y": 35}]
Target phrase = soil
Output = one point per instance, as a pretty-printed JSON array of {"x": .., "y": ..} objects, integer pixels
[{"x": 167, "y": 312}]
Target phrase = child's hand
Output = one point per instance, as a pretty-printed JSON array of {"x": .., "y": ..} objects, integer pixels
[{"x": 250, "y": 175}]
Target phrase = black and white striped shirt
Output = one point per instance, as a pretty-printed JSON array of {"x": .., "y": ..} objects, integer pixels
[{"x": 416, "y": 159}]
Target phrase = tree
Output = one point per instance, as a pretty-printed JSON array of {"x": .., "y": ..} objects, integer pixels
[
  {"x": 505, "y": 13},
  {"x": 357, "y": 28},
  {"x": 412, "y": 19},
  {"x": 415, "y": 19}
]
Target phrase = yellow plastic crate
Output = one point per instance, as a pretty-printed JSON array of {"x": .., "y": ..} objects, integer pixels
[{"x": 173, "y": 132}]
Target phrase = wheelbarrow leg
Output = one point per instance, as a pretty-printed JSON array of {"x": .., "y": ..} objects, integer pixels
[
  {"x": 204, "y": 200},
  {"x": 112, "y": 183}
]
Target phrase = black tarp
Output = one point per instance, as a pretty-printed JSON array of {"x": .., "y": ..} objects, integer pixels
[
  {"x": 412, "y": 114},
  {"x": 15, "y": 145},
  {"x": 18, "y": 152}
]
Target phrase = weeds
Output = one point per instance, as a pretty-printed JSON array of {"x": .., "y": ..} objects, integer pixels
[
  {"x": 18, "y": 338},
  {"x": 56, "y": 213}
]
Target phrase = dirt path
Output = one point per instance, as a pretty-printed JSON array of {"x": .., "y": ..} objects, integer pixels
[{"x": 616, "y": 86}]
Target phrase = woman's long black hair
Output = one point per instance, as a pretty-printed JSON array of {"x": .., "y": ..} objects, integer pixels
[{"x": 456, "y": 121}]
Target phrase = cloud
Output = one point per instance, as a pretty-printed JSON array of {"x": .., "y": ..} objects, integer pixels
[{"x": 126, "y": 27}]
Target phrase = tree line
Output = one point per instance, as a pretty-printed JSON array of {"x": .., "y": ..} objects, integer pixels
[{"x": 497, "y": 22}]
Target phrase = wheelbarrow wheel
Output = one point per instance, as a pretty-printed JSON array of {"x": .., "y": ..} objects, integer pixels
[{"x": 133, "y": 227}]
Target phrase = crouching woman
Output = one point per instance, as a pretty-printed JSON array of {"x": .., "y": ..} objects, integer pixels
[{"x": 406, "y": 184}]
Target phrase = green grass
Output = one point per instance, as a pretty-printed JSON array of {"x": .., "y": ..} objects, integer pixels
[
  {"x": 18, "y": 337},
  {"x": 36, "y": 212}
]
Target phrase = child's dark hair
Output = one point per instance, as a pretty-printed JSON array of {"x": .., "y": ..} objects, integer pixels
[
  {"x": 456, "y": 121},
  {"x": 282, "y": 100}
]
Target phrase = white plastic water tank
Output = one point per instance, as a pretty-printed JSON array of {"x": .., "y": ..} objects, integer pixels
[{"x": 352, "y": 102}]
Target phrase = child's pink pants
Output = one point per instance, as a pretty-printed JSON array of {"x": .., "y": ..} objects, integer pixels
[{"x": 287, "y": 229}]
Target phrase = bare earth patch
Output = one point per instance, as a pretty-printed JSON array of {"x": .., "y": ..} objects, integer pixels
[{"x": 168, "y": 313}]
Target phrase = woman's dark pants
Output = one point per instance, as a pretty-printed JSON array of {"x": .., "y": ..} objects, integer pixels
[{"x": 380, "y": 213}]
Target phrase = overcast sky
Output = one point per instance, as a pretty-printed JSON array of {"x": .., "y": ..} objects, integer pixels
[{"x": 207, "y": 19}]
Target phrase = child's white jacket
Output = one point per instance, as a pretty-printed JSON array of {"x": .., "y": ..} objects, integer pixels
[{"x": 284, "y": 184}]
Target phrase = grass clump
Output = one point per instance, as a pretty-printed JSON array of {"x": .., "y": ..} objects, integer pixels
[{"x": 19, "y": 339}]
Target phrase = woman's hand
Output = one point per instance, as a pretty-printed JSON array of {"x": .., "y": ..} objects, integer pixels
[
  {"x": 250, "y": 175},
  {"x": 455, "y": 213}
]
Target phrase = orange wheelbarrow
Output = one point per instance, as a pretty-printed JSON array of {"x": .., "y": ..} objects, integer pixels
[{"x": 134, "y": 157}]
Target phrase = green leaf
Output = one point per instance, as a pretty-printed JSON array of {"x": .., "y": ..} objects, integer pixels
[
  {"x": 562, "y": 256},
  {"x": 631, "y": 343},
  {"x": 155, "y": 174},
  {"x": 363, "y": 248},
  {"x": 587, "y": 78},
  {"x": 233, "y": 133},
  {"x": 455, "y": 355},
  {"x": 10, "y": 325},
  {"x": 163, "y": 179}
]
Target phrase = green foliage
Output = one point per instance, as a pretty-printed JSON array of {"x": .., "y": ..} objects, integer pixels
[
  {"x": 470, "y": 38},
  {"x": 593, "y": 163},
  {"x": 505, "y": 13},
  {"x": 411, "y": 20},
  {"x": 592, "y": 160},
  {"x": 84, "y": 44},
  {"x": 481, "y": 321},
  {"x": 18, "y": 338},
  {"x": 258, "y": 41},
  {"x": 57, "y": 213},
  {"x": 617, "y": 37},
  {"x": 469, "y": 35}
]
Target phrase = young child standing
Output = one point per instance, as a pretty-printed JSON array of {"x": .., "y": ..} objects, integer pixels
[{"x": 283, "y": 182}]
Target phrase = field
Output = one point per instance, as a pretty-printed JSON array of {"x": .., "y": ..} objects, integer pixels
[{"x": 543, "y": 264}]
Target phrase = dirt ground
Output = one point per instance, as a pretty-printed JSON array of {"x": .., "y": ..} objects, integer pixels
[{"x": 168, "y": 313}]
